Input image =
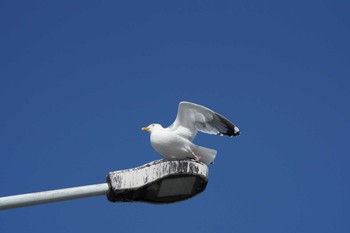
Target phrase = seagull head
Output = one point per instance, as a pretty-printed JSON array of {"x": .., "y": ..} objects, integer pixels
[{"x": 152, "y": 127}]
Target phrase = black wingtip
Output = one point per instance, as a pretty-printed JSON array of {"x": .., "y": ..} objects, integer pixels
[{"x": 232, "y": 130}]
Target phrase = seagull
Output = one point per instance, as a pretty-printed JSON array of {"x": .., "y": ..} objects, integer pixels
[{"x": 175, "y": 142}]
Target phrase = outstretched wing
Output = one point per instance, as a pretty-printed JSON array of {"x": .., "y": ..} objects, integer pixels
[{"x": 192, "y": 118}]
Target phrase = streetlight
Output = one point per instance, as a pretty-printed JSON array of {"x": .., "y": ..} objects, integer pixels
[{"x": 156, "y": 182}]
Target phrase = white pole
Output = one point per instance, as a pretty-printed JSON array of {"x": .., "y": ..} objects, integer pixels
[
  {"x": 53, "y": 196},
  {"x": 156, "y": 182}
]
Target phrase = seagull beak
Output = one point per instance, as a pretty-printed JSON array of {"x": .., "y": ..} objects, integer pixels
[{"x": 145, "y": 128}]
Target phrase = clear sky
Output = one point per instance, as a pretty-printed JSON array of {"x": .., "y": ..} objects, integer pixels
[{"x": 78, "y": 79}]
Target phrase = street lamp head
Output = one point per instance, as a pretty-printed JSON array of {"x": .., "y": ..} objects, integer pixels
[{"x": 158, "y": 182}]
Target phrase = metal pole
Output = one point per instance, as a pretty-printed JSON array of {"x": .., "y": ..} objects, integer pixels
[
  {"x": 155, "y": 182},
  {"x": 53, "y": 196}
]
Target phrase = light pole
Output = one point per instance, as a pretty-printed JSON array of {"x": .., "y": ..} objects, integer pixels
[{"x": 156, "y": 182}]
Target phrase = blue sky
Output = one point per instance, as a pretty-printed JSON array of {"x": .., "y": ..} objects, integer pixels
[{"x": 79, "y": 79}]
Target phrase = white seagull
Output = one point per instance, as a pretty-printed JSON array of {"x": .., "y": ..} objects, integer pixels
[{"x": 175, "y": 142}]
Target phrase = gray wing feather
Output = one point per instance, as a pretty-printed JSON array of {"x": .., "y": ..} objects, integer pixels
[{"x": 192, "y": 118}]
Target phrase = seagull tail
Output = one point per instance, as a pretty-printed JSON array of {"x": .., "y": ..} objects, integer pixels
[{"x": 207, "y": 155}]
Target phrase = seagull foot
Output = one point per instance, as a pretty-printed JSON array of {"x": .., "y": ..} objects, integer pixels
[{"x": 196, "y": 157}]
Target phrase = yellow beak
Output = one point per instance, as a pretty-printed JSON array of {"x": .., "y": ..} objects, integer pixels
[{"x": 145, "y": 128}]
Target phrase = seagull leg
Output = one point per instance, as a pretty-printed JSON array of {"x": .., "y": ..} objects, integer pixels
[{"x": 196, "y": 157}]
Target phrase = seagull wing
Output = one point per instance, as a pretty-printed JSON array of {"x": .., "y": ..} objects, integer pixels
[{"x": 192, "y": 118}]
